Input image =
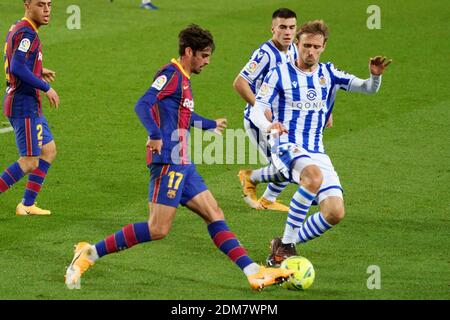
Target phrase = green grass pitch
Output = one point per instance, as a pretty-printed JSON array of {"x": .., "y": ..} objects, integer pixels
[{"x": 391, "y": 150}]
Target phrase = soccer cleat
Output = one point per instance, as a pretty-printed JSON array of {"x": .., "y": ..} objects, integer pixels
[
  {"x": 23, "y": 210},
  {"x": 280, "y": 251},
  {"x": 265, "y": 204},
  {"x": 268, "y": 276},
  {"x": 82, "y": 260},
  {"x": 248, "y": 189}
]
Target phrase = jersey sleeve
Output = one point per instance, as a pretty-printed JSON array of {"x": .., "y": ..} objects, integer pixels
[
  {"x": 165, "y": 83},
  {"x": 258, "y": 63},
  {"x": 202, "y": 123},
  {"x": 269, "y": 88},
  {"x": 20, "y": 55},
  {"x": 340, "y": 78}
]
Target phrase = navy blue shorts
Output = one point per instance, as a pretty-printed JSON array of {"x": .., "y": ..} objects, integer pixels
[
  {"x": 31, "y": 134},
  {"x": 172, "y": 184}
]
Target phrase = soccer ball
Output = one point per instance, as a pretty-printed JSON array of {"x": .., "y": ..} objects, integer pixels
[{"x": 303, "y": 276}]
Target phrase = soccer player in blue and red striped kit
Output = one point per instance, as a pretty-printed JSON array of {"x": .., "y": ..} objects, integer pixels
[
  {"x": 23, "y": 106},
  {"x": 167, "y": 112}
]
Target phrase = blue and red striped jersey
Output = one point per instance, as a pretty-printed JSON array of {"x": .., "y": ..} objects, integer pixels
[
  {"x": 23, "y": 69},
  {"x": 171, "y": 106}
]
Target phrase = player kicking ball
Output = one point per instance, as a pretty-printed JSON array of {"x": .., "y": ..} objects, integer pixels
[{"x": 167, "y": 112}]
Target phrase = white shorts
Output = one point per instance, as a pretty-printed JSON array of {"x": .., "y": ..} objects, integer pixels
[
  {"x": 291, "y": 155},
  {"x": 258, "y": 140}
]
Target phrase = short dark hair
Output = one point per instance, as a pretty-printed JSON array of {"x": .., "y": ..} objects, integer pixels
[
  {"x": 314, "y": 27},
  {"x": 196, "y": 38},
  {"x": 284, "y": 13}
]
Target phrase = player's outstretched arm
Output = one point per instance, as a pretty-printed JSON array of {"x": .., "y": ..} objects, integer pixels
[{"x": 377, "y": 65}]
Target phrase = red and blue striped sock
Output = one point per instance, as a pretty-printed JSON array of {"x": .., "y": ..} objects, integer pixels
[
  {"x": 35, "y": 181},
  {"x": 125, "y": 238},
  {"x": 10, "y": 176},
  {"x": 226, "y": 241}
]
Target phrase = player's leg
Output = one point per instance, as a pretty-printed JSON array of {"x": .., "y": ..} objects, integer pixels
[
  {"x": 245, "y": 176},
  {"x": 308, "y": 175},
  {"x": 158, "y": 226},
  {"x": 276, "y": 182},
  {"x": 250, "y": 178},
  {"x": 16, "y": 171},
  {"x": 331, "y": 213},
  {"x": 26, "y": 133},
  {"x": 37, "y": 176},
  {"x": 162, "y": 207},
  {"x": 331, "y": 202},
  {"x": 202, "y": 202}
]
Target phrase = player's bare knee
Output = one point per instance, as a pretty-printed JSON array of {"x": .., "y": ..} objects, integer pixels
[
  {"x": 52, "y": 155},
  {"x": 159, "y": 233},
  {"x": 312, "y": 178},
  {"x": 28, "y": 164},
  {"x": 49, "y": 154},
  {"x": 335, "y": 215}
]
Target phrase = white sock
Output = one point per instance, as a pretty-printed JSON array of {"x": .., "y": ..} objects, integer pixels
[
  {"x": 251, "y": 269},
  {"x": 290, "y": 234},
  {"x": 93, "y": 254},
  {"x": 266, "y": 174},
  {"x": 273, "y": 190}
]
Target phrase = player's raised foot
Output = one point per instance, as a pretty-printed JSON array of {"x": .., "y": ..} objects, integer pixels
[
  {"x": 280, "y": 251},
  {"x": 83, "y": 259},
  {"x": 248, "y": 189},
  {"x": 23, "y": 210},
  {"x": 268, "y": 276},
  {"x": 265, "y": 204}
]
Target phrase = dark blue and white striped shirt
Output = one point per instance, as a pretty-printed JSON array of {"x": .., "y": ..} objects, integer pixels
[
  {"x": 266, "y": 57},
  {"x": 303, "y": 101}
]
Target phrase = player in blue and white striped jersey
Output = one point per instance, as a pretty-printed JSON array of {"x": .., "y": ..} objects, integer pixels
[
  {"x": 305, "y": 92},
  {"x": 276, "y": 51}
]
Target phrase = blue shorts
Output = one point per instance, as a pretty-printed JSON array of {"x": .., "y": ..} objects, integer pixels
[
  {"x": 172, "y": 184},
  {"x": 31, "y": 134}
]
